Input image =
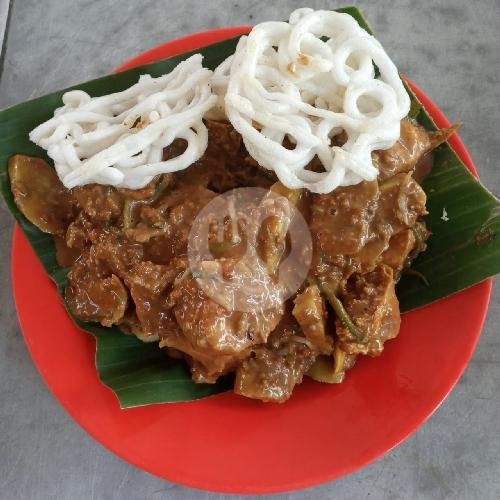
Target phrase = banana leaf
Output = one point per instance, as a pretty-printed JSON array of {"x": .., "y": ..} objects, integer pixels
[{"x": 462, "y": 251}]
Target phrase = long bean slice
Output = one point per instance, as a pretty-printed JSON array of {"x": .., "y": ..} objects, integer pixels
[
  {"x": 130, "y": 205},
  {"x": 342, "y": 314}
]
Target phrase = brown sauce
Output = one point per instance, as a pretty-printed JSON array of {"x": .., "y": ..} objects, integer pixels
[{"x": 128, "y": 266}]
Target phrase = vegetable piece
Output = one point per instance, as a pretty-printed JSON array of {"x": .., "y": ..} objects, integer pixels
[
  {"x": 292, "y": 195},
  {"x": 273, "y": 231},
  {"x": 332, "y": 371},
  {"x": 39, "y": 194},
  {"x": 227, "y": 238},
  {"x": 371, "y": 306},
  {"x": 421, "y": 233},
  {"x": 272, "y": 242},
  {"x": 342, "y": 314},
  {"x": 310, "y": 313}
]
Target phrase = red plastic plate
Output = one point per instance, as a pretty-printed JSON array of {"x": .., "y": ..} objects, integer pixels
[{"x": 231, "y": 444}]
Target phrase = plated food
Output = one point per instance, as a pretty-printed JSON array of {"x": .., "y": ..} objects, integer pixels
[
  {"x": 127, "y": 253},
  {"x": 321, "y": 126}
]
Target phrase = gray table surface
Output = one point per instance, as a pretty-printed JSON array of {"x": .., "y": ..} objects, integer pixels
[{"x": 451, "y": 49}]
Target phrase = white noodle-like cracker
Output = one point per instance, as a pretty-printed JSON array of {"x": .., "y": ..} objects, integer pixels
[
  {"x": 118, "y": 139},
  {"x": 284, "y": 81},
  {"x": 286, "y": 90}
]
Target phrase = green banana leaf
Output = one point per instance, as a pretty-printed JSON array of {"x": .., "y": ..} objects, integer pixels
[{"x": 461, "y": 252}]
